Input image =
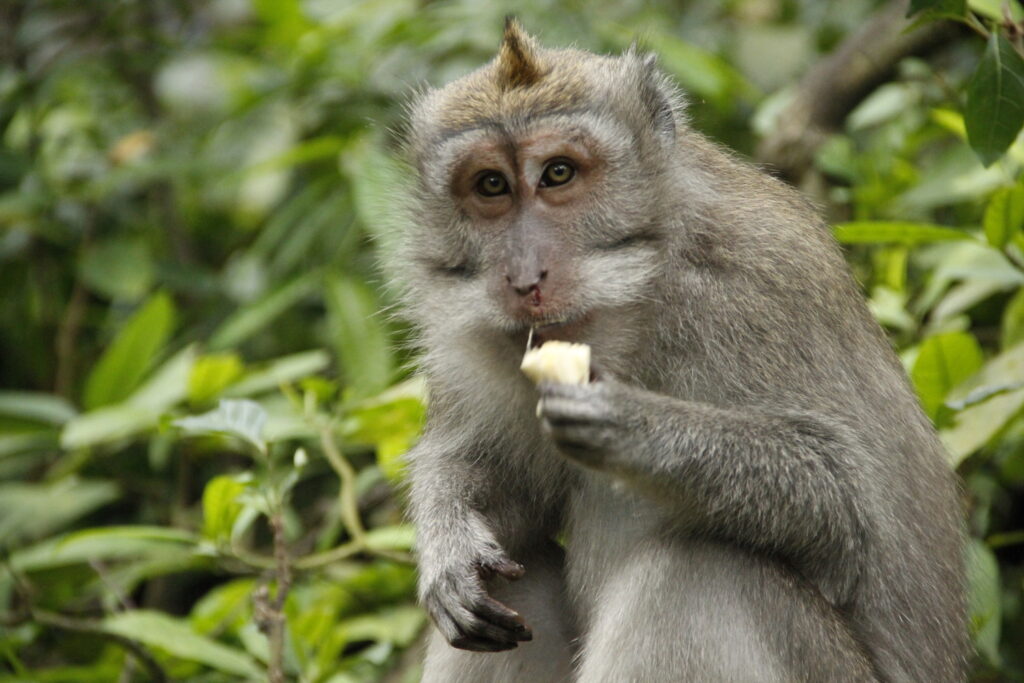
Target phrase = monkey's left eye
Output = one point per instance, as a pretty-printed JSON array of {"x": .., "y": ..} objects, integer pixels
[{"x": 557, "y": 173}]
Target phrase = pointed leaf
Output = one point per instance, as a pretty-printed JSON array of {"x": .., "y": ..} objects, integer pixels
[
  {"x": 221, "y": 506},
  {"x": 995, "y": 100},
  {"x": 126, "y": 360},
  {"x": 177, "y": 637}
]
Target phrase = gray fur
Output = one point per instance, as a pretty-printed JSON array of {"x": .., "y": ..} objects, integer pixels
[{"x": 750, "y": 490}]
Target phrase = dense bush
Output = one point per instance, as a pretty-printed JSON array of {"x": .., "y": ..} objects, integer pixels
[{"x": 205, "y": 401}]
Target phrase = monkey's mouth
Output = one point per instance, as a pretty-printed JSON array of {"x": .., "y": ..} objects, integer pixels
[{"x": 560, "y": 329}]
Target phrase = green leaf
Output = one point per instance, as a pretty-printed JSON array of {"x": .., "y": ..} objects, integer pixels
[
  {"x": 995, "y": 100},
  {"x": 397, "y": 625},
  {"x": 30, "y": 511},
  {"x": 985, "y": 599},
  {"x": 212, "y": 374},
  {"x": 944, "y": 361},
  {"x": 250, "y": 319},
  {"x": 943, "y": 7},
  {"x": 119, "y": 268},
  {"x": 976, "y": 425},
  {"x": 1012, "y": 329},
  {"x": 993, "y": 9},
  {"x": 279, "y": 371},
  {"x": 142, "y": 410},
  {"x": 898, "y": 232},
  {"x": 126, "y": 360},
  {"x": 106, "y": 544},
  {"x": 221, "y": 507},
  {"x": 1004, "y": 215},
  {"x": 35, "y": 407},
  {"x": 177, "y": 638},
  {"x": 237, "y": 417},
  {"x": 361, "y": 341}
]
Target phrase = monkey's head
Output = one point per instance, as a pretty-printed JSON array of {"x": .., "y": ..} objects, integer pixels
[{"x": 541, "y": 199}]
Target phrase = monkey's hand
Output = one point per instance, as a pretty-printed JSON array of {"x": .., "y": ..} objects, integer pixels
[
  {"x": 591, "y": 423},
  {"x": 456, "y": 599}
]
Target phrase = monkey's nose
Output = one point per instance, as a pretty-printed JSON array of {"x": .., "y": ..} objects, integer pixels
[{"x": 526, "y": 285}]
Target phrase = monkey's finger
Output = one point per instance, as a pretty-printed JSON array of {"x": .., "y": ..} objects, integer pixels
[
  {"x": 476, "y": 627},
  {"x": 505, "y": 568},
  {"x": 497, "y": 613},
  {"x": 476, "y": 645},
  {"x": 558, "y": 410}
]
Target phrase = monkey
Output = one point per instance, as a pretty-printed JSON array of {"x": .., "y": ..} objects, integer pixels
[{"x": 747, "y": 490}]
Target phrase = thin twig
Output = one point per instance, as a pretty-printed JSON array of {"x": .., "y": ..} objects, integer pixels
[{"x": 347, "y": 491}]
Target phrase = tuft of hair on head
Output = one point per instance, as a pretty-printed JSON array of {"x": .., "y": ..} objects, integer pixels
[{"x": 517, "y": 64}]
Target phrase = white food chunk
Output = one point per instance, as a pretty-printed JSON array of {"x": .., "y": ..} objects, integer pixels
[{"x": 558, "y": 361}]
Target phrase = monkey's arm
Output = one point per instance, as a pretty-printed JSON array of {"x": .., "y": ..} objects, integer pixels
[
  {"x": 778, "y": 482},
  {"x": 457, "y": 552}
]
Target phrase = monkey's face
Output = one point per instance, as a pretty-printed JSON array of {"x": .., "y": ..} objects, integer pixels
[
  {"x": 543, "y": 223},
  {"x": 540, "y": 196}
]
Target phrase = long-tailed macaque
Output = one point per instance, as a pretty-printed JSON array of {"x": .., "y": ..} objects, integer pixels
[{"x": 746, "y": 491}]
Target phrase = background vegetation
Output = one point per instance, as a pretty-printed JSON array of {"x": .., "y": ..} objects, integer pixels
[{"x": 203, "y": 412}]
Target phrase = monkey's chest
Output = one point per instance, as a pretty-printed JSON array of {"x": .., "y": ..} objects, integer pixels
[{"x": 604, "y": 524}]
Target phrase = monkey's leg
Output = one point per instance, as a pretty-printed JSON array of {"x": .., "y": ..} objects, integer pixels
[
  {"x": 540, "y": 598},
  {"x": 714, "y": 613}
]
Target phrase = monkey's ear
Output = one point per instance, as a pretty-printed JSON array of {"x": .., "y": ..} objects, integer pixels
[
  {"x": 517, "y": 62},
  {"x": 658, "y": 97}
]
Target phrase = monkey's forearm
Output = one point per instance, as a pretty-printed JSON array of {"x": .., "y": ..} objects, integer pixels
[{"x": 776, "y": 482}]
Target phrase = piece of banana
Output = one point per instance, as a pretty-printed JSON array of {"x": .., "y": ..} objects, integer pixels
[{"x": 558, "y": 361}]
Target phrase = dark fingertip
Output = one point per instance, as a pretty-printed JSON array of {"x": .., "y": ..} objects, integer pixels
[
  {"x": 525, "y": 635},
  {"x": 510, "y": 569},
  {"x": 475, "y": 645}
]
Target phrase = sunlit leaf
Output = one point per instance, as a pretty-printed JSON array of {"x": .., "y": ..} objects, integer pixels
[
  {"x": 1004, "y": 215},
  {"x": 944, "y": 361},
  {"x": 995, "y": 100},
  {"x": 126, "y": 360},
  {"x": 238, "y": 417},
  {"x": 993, "y": 9},
  {"x": 221, "y": 507},
  {"x": 176, "y": 637},
  {"x": 212, "y": 374},
  {"x": 898, "y": 232},
  {"x": 976, "y": 425},
  {"x": 1012, "y": 328}
]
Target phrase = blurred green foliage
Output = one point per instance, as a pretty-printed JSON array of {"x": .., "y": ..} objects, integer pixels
[{"x": 203, "y": 410}]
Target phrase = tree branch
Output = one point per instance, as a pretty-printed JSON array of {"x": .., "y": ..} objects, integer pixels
[{"x": 837, "y": 84}]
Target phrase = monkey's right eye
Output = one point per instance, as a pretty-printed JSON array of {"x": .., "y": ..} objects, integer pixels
[{"x": 492, "y": 184}]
